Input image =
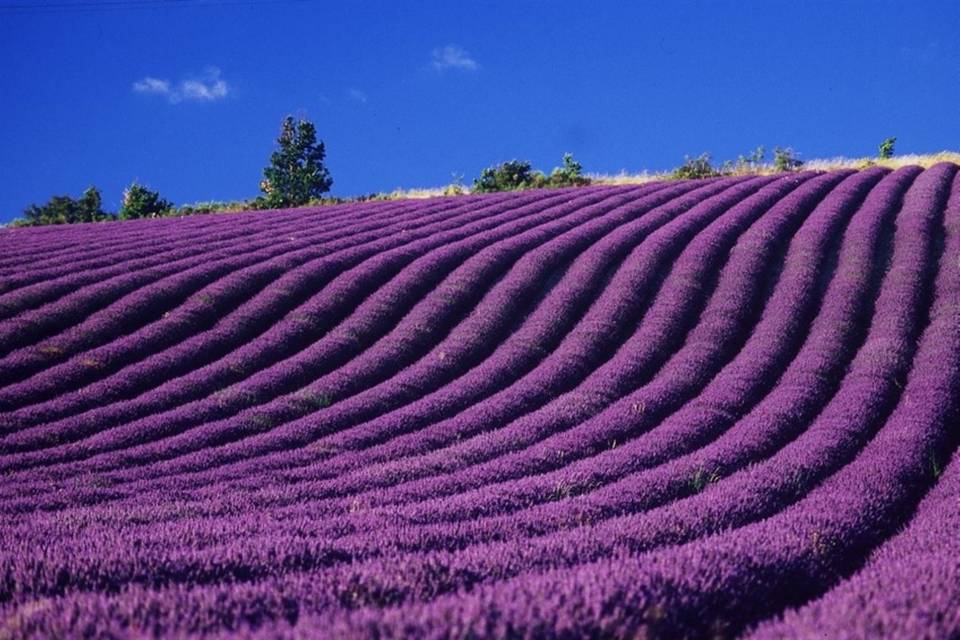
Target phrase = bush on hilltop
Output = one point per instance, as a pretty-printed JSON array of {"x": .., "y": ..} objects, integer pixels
[
  {"x": 141, "y": 202},
  {"x": 519, "y": 174},
  {"x": 66, "y": 210},
  {"x": 886, "y": 148}
]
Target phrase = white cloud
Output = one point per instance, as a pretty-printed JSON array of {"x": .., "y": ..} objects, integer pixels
[
  {"x": 453, "y": 57},
  {"x": 205, "y": 88},
  {"x": 152, "y": 85},
  {"x": 210, "y": 87},
  {"x": 359, "y": 96}
]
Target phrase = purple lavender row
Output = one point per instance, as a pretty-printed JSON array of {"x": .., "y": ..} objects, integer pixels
[
  {"x": 803, "y": 249},
  {"x": 443, "y": 299},
  {"x": 474, "y": 338},
  {"x": 48, "y": 258},
  {"x": 734, "y": 200},
  {"x": 33, "y": 326},
  {"x": 725, "y": 398},
  {"x": 95, "y": 261},
  {"x": 760, "y": 231},
  {"x": 910, "y": 587},
  {"x": 728, "y": 504},
  {"x": 863, "y": 230},
  {"x": 295, "y": 596},
  {"x": 735, "y": 195},
  {"x": 43, "y": 269},
  {"x": 149, "y": 296},
  {"x": 464, "y": 225},
  {"x": 314, "y": 260},
  {"x": 38, "y": 286},
  {"x": 713, "y": 410},
  {"x": 264, "y": 608},
  {"x": 538, "y": 224},
  {"x": 845, "y": 298},
  {"x": 87, "y": 300},
  {"x": 431, "y": 475},
  {"x": 693, "y": 198},
  {"x": 296, "y": 287},
  {"x": 25, "y": 247},
  {"x": 22, "y": 243},
  {"x": 689, "y": 366},
  {"x": 229, "y": 367},
  {"x": 35, "y": 246},
  {"x": 312, "y": 274},
  {"x": 684, "y": 590},
  {"x": 626, "y": 214},
  {"x": 721, "y": 328},
  {"x": 45, "y": 290},
  {"x": 788, "y": 295},
  {"x": 728, "y": 580},
  {"x": 538, "y": 335}
]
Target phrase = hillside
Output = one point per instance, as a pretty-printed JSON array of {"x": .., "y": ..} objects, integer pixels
[{"x": 714, "y": 408}]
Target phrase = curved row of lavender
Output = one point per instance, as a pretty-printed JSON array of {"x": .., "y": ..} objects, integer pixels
[{"x": 715, "y": 408}]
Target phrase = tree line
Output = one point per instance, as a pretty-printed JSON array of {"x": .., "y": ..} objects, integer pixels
[{"x": 297, "y": 175}]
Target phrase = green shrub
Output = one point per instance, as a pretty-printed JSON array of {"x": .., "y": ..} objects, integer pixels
[
  {"x": 569, "y": 175},
  {"x": 786, "y": 159},
  {"x": 519, "y": 174},
  {"x": 66, "y": 210},
  {"x": 213, "y": 206},
  {"x": 140, "y": 202},
  {"x": 886, "y": 147},
  {"x": 750, "y": 163},
  {"x": 695, "y": 168},
  {"x": 455, "y": 188},
  {"x": 508, "y": 176}
]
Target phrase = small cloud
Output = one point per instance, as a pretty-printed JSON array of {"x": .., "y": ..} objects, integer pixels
[
  {"x": 209, "y": 87},
  {"x": 205, "y": 88},
  {"x": 152, "y": 85},
  {"x": 453, "y": 57},
  {"x": 356, "y": 94}
]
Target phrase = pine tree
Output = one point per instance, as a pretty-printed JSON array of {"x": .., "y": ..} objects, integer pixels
[{"x": 297, "y": 172}]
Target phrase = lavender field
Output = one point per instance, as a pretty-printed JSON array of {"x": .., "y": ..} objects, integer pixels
[{"x": 685, "y": 409}]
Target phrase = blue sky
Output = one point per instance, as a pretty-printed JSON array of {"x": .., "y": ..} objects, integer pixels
[{"x": 186, "y": 96}]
